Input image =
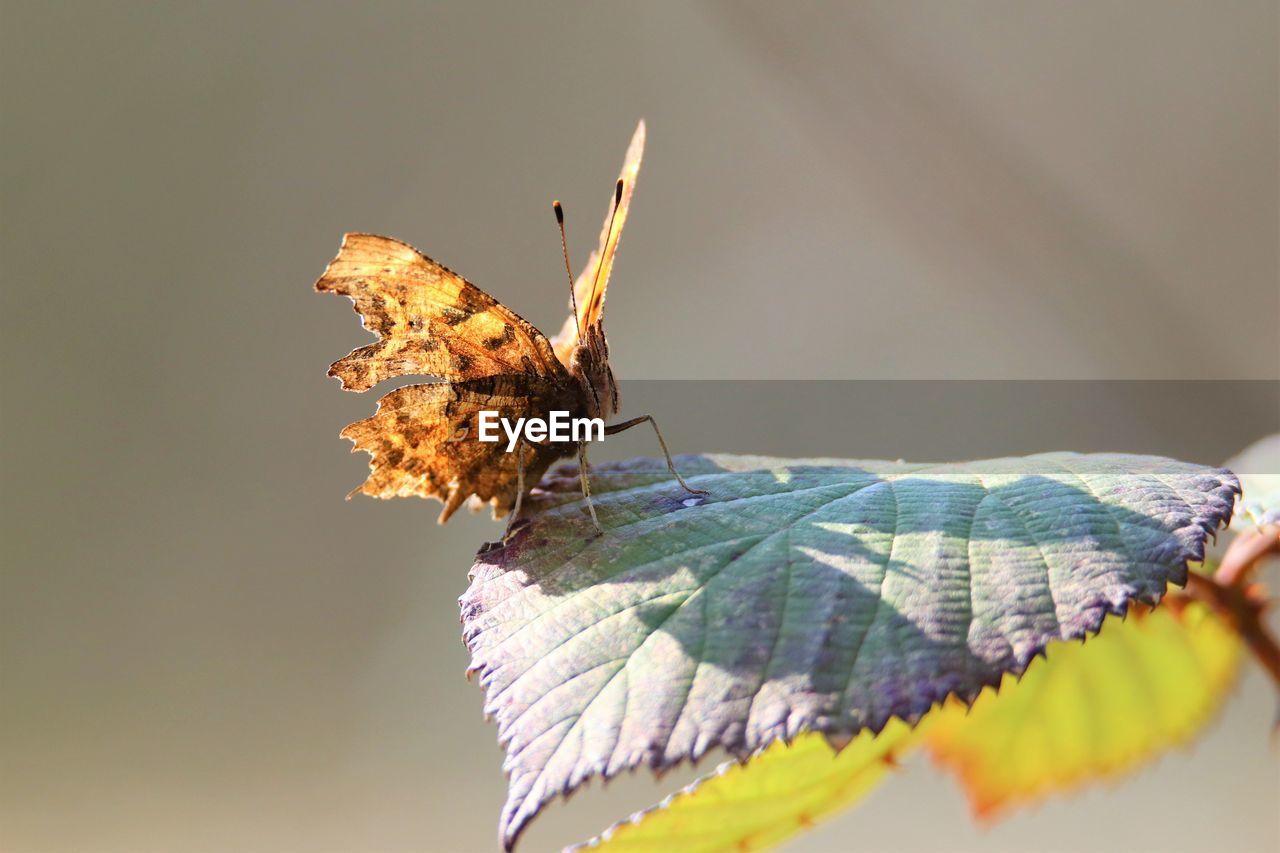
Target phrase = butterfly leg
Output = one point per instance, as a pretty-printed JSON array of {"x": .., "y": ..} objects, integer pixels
[
  {"x": 671, "y": 466},
  {"x": 586, "y": 484},
  {"x": 515, "y": 510}
]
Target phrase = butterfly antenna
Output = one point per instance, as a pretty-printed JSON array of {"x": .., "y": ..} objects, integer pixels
[
  {"x": 604, "y": 251},
  {"x": 568, "y": 267}
]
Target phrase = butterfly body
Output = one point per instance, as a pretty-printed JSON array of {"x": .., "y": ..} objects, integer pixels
[
  {"x": 590, "y": 366},
  {"x": 429, "y": 321}
]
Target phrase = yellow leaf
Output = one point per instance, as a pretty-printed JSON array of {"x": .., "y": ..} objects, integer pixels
[
  {"x": 778, "y": 793},
  {"x": 1089, "y": 710}
]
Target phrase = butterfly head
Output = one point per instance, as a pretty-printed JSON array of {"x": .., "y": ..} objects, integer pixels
[{"x": 590, "y": 364}]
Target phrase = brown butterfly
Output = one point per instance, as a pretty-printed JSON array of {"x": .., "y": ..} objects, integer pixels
[{"x": 430, "y": 321}]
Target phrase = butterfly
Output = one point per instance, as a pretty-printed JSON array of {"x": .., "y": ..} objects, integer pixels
[{"x": 429, "y": 321}]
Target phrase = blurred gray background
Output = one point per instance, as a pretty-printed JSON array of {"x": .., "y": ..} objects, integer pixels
[{"x": 205, "y": 649}]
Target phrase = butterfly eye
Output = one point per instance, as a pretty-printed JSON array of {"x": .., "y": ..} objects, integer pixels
[{"x": 461, "y": 432}]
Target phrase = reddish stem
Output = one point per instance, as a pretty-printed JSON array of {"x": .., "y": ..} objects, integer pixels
[
  {"x": 1246, "y": 553},
  {"x": 1240, "y": 603},
  {"x": 1241, "y": 609}
]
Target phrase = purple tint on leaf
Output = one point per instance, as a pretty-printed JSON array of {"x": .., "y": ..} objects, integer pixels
[{"x": 825, "y": 595}]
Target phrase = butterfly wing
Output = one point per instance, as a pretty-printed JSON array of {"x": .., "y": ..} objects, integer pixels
[
  {"x": 429, "y": 320},
  {"x": 423, "y": 441},
  {"x": 589, "y": 288}
]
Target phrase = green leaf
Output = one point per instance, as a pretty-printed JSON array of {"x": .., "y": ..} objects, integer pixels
[
  {"x": 826, "y": 595},
  {"x": 784, "y": 790},
  {"x": 1091, "y": 710}
]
